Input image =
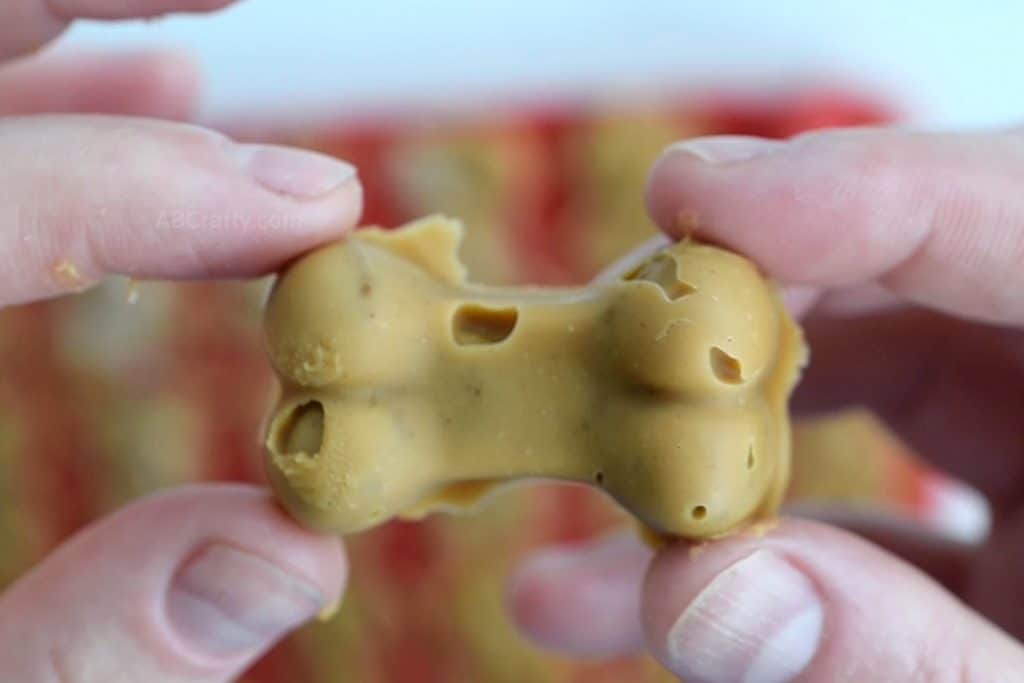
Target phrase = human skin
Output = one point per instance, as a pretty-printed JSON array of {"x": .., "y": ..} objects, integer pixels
[
  {"x": 857, "y": 220},
  {"x": 905, "y": 256},
  {"x": 193, "y": 584}
]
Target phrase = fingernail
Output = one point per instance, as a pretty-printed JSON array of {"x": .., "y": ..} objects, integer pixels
[
  {"x": 759, "y": 621},
  {"x": 224, "y": 601},
  {"x": 725, "y": 149},
  {"x": 293, "y": 172}
]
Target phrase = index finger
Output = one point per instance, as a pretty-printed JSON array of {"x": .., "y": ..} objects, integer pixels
[
  {"x": 935, "y": 218},
  {"x": 26, "y": 25},
  {"x": 82, "y": 197}
]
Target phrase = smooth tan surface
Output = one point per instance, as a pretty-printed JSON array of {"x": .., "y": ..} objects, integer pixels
[{"x": 405, "y": 389}]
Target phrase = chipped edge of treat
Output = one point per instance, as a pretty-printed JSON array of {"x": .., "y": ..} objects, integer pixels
[
  {"x": 697, "y": 549},
  {"x": 68, "y": 275},
  {"x": 762, "y": 527},
  {"x": 133, "y": 291},
  {"x": 655, "y": 540},
  {"x": 329, "y": 611},
  {"x": 687, "y": 223}
]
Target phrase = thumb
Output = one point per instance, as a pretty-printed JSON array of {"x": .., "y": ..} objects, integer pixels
[
  {"x": 189, "y": 586},
  {"x": 810, "y": 603},
  {"x": 932, "y": 217}
]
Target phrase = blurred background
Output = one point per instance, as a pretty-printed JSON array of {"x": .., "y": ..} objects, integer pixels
[
  {"x": 950, "y": 63},
  {"x": 533, "y": 121}
]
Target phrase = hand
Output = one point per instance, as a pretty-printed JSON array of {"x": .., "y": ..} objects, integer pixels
[
  {"x": 905, "y": 255},
  {"x": 190, "y": 585}
]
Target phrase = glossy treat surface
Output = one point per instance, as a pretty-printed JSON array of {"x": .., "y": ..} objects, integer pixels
[{"x": 405, "y": 389}]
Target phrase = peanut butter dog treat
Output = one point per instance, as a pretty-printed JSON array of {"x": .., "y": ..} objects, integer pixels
[{"x": 406, "y": 389}]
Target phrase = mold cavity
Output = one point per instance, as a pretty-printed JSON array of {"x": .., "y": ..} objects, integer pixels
[
  {"x": 699, "y": 512},
  {"x": 474, "y": 324},
  {"x": 663, "y": 271},
  {"x": 302, "y": 431},
  {"x": 750, "y": 458},
  {"x": 599, "y": 478},
  {"x": 726, "y": 368}
]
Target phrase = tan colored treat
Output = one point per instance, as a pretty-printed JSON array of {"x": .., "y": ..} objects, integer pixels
[{"x": 406, "y": 389}]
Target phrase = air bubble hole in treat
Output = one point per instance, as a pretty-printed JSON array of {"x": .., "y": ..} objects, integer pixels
[
  {"x": 662, "y": 271},
  {"x": 726, "y": 368},
  {"x": 599, "y": 478},
  {"x": 474, "y": 324},
  {"x": 750, "y": 458},
  {"x": 699, "y": 512},
  {"x": 302, "y": 431}
]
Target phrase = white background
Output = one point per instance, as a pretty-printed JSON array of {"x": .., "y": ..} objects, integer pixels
[{"x": 953, "y": 63}]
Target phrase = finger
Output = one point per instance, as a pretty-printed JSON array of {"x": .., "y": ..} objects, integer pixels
[
  {"x": 942, "y": 556},
  {"x": 808, "y": 603},
  {"x": 933, "y": 218},
  {"x": 189, "y": 586},
  {"x": 27, "y": 25},
  {"x": 81, "y": 197},
  {"x": 582, "y": 601},
  {"x": 157, "y": 84}
]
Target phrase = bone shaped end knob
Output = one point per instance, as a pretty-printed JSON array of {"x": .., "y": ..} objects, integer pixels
[{"x": 406, "y": 389}]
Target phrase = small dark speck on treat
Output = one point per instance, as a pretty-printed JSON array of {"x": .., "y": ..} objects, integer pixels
[{"x": 365, "y": 289}]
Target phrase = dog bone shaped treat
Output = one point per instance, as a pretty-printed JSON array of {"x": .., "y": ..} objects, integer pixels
[{"x": 405, "y": 389}]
